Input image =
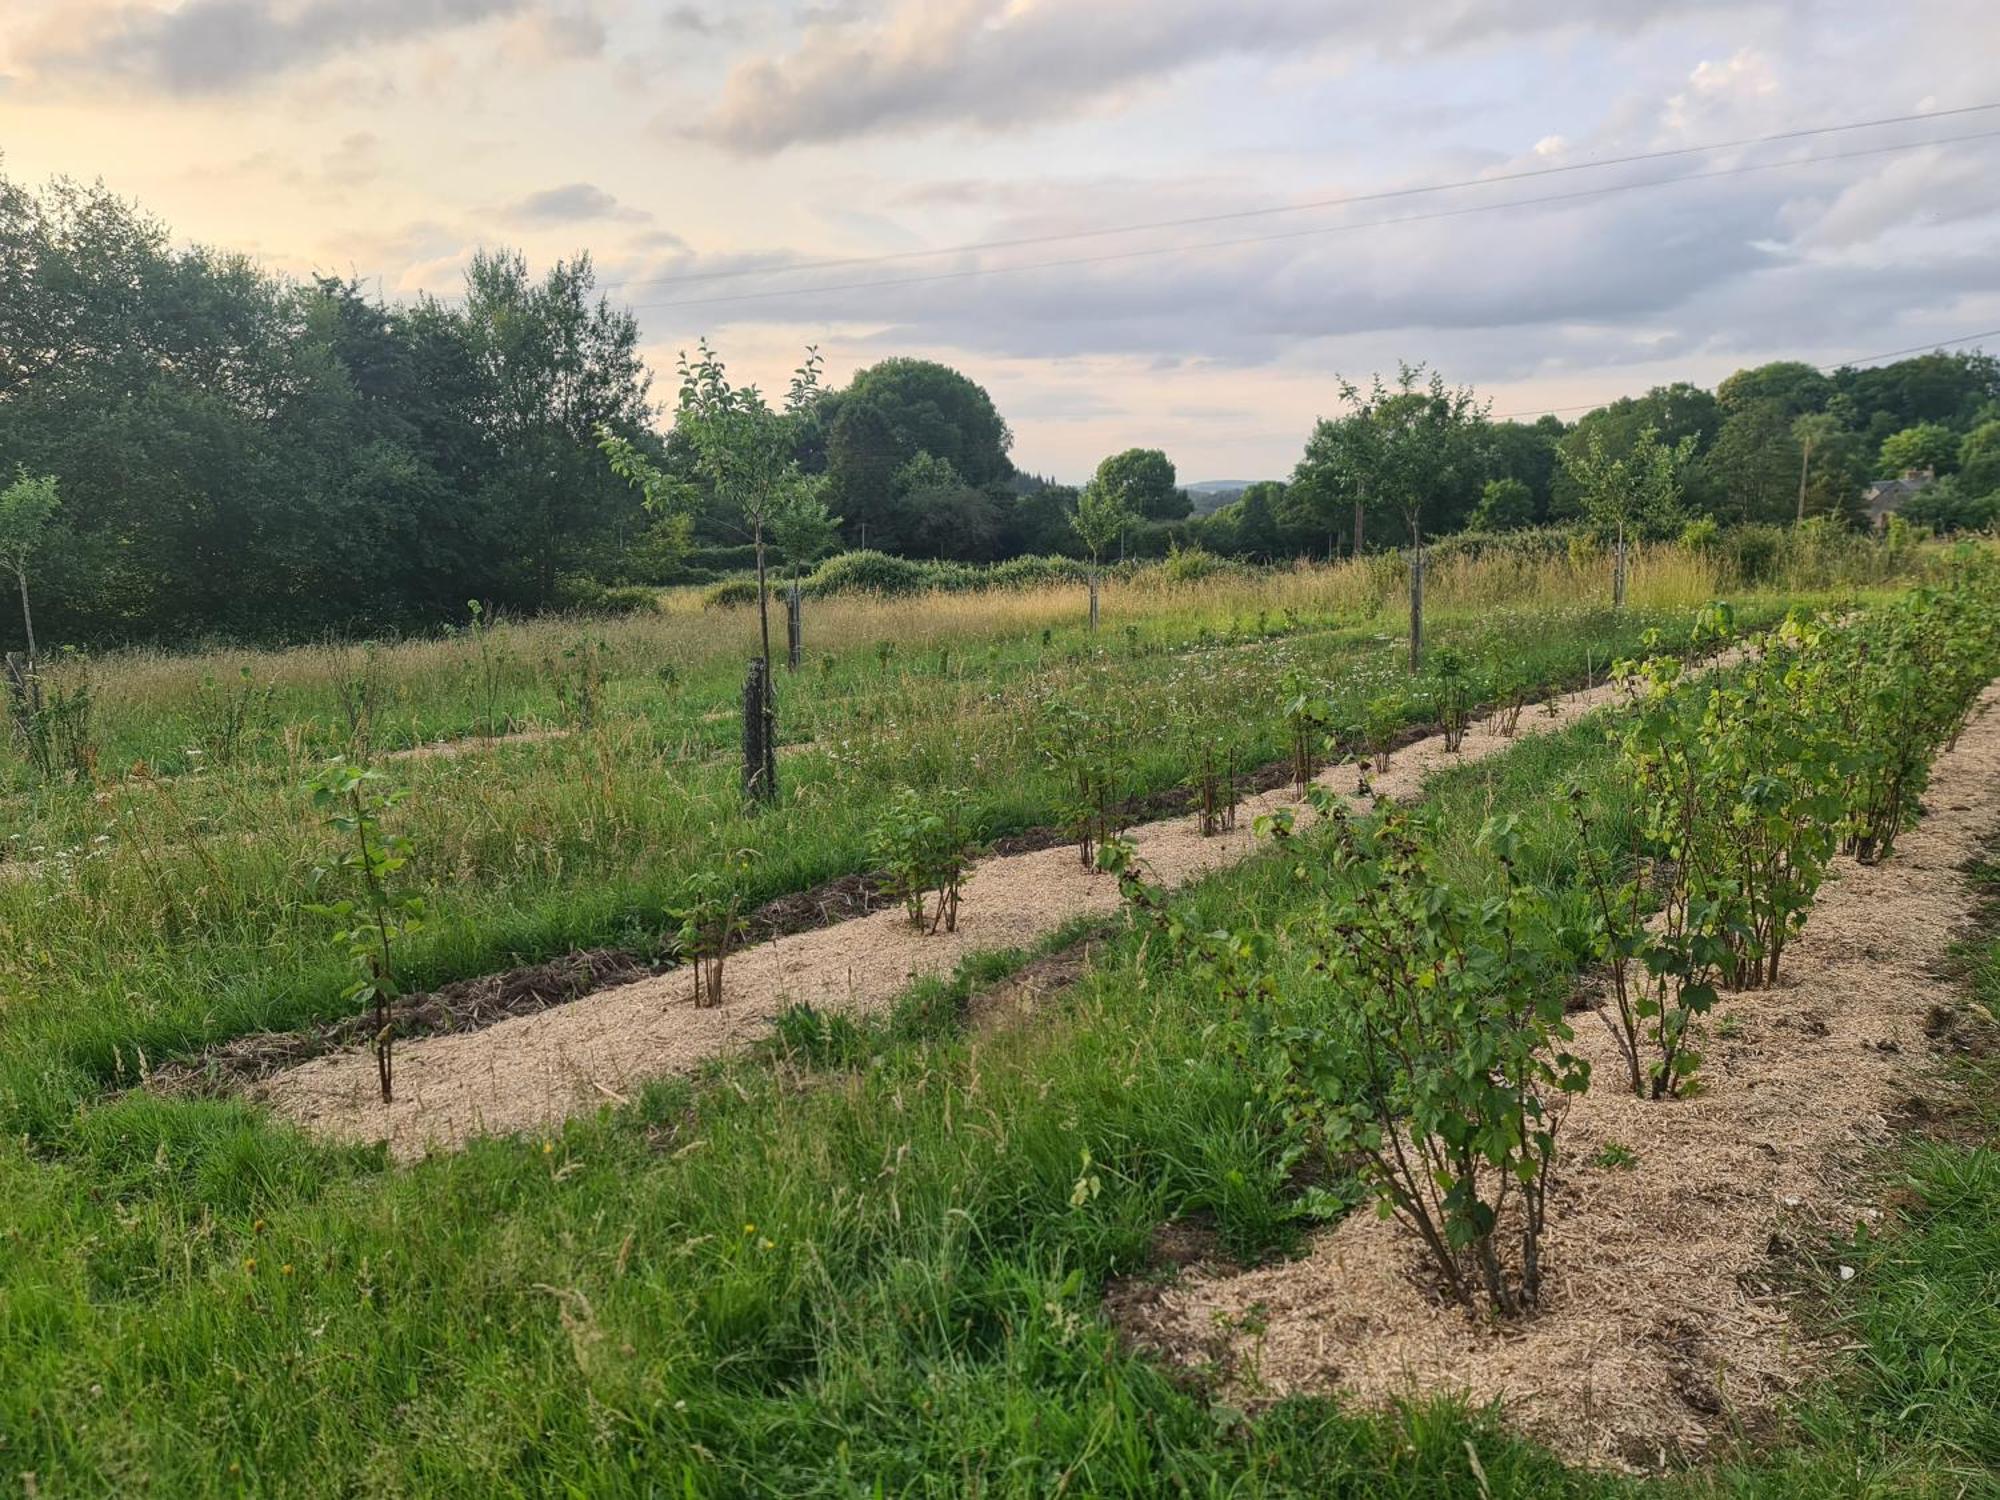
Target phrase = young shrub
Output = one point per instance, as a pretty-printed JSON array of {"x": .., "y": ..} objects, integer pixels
[
  {"x": 1078, "y": 743},
  {"x": 923, "y": 844},
  {"x": 353, "y": 801},
  {"x": 1213, "y": 782},
  {"x": 1450, "y": 1077},
  {"x": 578, "y": 678},
  {"x": 709, "y": 917},
  {"x": 227, "y": 720},
  {"x": 53, "y": 703},
  {"x": 1663, "y": 972},
  {"x": 1451, "y": 690},
  {"x": 1514, "y": 687},
  {"x": 1910, "y": 671},
  {"x": 1382, "y": 720},
  {"x": 1772, "y": 758},
  {"x": 1308, "y": 715}
]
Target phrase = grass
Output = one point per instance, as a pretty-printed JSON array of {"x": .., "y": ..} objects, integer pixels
[
  {"x": 148, "y": 918},
  {"x": 864, "y": 1259}
]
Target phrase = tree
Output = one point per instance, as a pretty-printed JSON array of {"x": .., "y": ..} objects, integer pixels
[
  {"x": 1673, "y": 412},
  {"x": 1928, "y": 445},
  {"x": 887, "y": 415},
  {"x": 1979, "y": 459},
  {"x": 1144, "y": 480},
  {"x": 1829, "y": 477},
  {"x": 1795, "y": 387},
  {"x": 28, "y": 509},
  {"x": 1936, "y": 387},
  {"x": 744, "y": 456},
  {"x": 1101, "y": 517},
  {"x": 1425, "y": 444},
  {"x": 554, "y": 367},
  {"x": 1333, "y": 479},
  {"x": 1755, "y": 464},
  {"x": 1504, "y": 505},
  {"x": 1642, "y": 489}
]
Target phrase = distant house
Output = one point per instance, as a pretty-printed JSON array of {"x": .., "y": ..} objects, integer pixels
[{"x": 1885, "y": 497}]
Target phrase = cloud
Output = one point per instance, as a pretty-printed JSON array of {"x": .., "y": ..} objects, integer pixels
[
  {"x": 219, "y": 46},
  {"x": 573, "y": 202},
  {"x": 996, "y": 64}
]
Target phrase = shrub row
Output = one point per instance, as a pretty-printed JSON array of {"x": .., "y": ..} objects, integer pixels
[{"x": 1413, "y": 1030}]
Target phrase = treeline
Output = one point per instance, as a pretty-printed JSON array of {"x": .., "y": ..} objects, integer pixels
[{"x": 233, "y": 453}]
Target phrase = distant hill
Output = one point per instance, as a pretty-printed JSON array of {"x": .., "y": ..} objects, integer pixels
[{"x": 1212, "y": 494}]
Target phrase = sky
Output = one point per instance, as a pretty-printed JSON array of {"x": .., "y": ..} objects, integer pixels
[{"x": 715, "y": 157}]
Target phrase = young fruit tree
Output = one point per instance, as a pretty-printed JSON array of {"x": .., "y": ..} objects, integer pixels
[
  {"x": 1640, "y": 490},
  {"x": 1101, "y": 518},
  {"x": 803, "y": 532},
  {"x": 353, "y": 801},
  {"x": 1424, "y": 442},
  {"x": 28, "y": 509},
  {"x": 745, "y": 459}
]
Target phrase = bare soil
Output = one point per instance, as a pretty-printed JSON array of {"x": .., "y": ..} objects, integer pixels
[
  {"x": 529, "y": 1072},
  {"x": 1668, "y": 1321}
]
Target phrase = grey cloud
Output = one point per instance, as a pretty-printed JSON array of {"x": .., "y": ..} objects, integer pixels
[
  {"x": 573, "y": 202},
  {"x": 1626, "y": 279},
  {"x": 215, "y": 46},
  {"x": 993, "y": 64}
]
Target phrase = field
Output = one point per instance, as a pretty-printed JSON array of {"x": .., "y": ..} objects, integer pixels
[{"x": 999, "y": 1229}]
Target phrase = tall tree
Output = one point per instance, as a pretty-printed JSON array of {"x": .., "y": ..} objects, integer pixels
[
  {"x": 1929, "y": 446},
  {"x": 555, "y": 364},
  {"x": 1144, "y": 480}
]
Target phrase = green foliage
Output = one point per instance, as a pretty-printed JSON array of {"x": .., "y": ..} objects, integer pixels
[
  {"x": 1746, "y": 787},
  {"x": 1907, "y": 675},
  {"x": 28, "y": 509},
  {"x": 1142, "y": 481},
  {"x": 707, "y": 913},
  {"x": 1411, "y": 447},
  {"x": 1101, "y": 514},
  {"x": 1928, "y": 446},
  {"x": 1453, "y": 691},
  {"x": 51, "y": 702},
  {"x": 353, "y": 800},
  {"x": 923, "y": 843},
  {"x": 1634, "y": 493},
  {"x": 1504, "y": 505},
  {"x": 1449, "y": 1077}
]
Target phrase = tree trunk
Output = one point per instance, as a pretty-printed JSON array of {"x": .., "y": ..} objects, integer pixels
[
  {"x": 763, "y": 603},
  {"x": 794, "y": 626},
  {"x": 1360, "y": 521},
  {"x": 760, "y": 770},
  {"x": 1618, "y": 571},
  {"x": 27, "y": 617},
  {"x": 1805, "y": 465},
  {"x": 1416, "y": 602},
  {"x": 1093, "y": 597}
]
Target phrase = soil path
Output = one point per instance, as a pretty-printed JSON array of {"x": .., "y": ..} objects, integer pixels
[
  {"x": 1665, "y": 1324},
  {"x": 530, "y": 1072}
]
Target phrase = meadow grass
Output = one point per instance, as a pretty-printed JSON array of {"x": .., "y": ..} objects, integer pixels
[
  {"x": 860, "y": 1260},
  {"x": 150, "y": 915}
]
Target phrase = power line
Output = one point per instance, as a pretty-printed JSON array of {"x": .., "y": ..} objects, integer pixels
[
  {"x": 1346, "y": 201},
  {"x": 970, "y": 272},
  {"x": 1859, "y": 359}
]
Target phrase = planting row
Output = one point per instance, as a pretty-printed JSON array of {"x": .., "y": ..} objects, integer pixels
[{"x": 1428, "y": 1056}]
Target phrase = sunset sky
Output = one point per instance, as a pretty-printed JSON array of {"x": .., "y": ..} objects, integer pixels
[{"x": 675, "y": 142}]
